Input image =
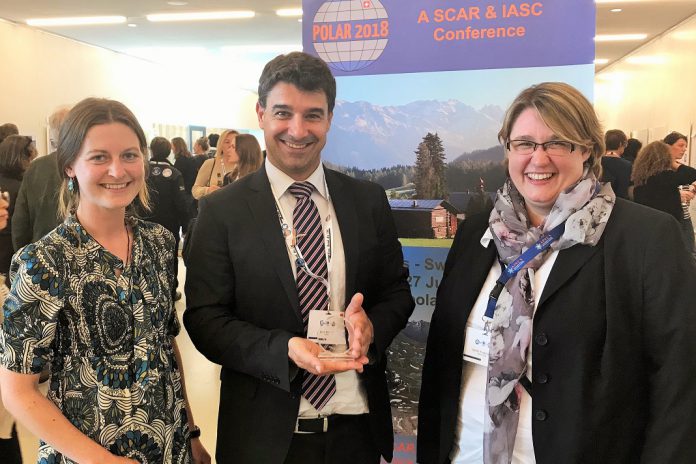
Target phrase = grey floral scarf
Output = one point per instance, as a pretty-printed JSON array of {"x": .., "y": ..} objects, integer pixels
[{"x": 585, "y": 207}]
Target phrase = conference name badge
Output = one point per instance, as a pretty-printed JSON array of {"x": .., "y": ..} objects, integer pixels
[{"x": 476, "y": 346}]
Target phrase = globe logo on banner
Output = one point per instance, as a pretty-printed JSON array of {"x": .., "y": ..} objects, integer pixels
[{"x": 350, "y": 34}]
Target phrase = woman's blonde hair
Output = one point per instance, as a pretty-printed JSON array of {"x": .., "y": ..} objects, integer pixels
[
  {"x": 652, "y": 159},
  {"x": 567, "y": 113},
  {"x": 88, "y": 113},
  {"x": 221, "y": 141}
]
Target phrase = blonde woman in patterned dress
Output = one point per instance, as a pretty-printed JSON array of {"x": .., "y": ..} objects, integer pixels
[{"x": 94, "y": 299}]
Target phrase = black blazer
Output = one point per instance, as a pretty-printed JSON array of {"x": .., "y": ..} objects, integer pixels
[
  {"x": 614, "y": 345},
  {"x": 243, "y": 308}
]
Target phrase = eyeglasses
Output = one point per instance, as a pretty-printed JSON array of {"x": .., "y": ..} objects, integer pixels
[{"x": 552, "y": 147}]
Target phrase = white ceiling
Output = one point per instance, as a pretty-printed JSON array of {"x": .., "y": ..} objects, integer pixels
[
  {"x": 652, "y": 17},
  {"x": 164, "y": 41}
]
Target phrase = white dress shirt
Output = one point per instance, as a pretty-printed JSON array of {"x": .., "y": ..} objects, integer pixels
[
  {"x": 350, "y": 396},
  {"x": 468, "y": 444}
]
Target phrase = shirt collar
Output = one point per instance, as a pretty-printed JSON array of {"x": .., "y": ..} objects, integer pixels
[{"x": 281, "y": 181}]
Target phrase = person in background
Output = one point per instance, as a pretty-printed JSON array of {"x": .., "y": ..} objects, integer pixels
[
  {"x": 213, "y": 171},
  {"x": 16, "y": 152},
  {"x": 169, "y": 204},
  {"x": 250, "y": 158},
  {"x": 686, "y": 175},
  {"x": 655, "y": 182},
  {"x": 631, "y": 150},
  {"x": 184, "y": 162},
  {"x": 616, "y": 170},
  {"x": 93, "y": 297},
  {"x": 36, "y": 210},
  {"x": 580, "y": 349},
  {"x": 8, "y": 129},
  {"x": 200, "y": 151},
  {"x": 188, "y": 168},
  {"x": 213, "y": 142}
]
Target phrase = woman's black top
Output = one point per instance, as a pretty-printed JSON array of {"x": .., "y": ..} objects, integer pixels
[{"x": 661, "y": 191}]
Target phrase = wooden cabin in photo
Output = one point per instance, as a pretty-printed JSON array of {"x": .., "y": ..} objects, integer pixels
[{"x": 424, "y": 218}]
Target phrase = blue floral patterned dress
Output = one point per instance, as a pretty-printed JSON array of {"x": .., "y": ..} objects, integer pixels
[{"x": 108, "y": 339}]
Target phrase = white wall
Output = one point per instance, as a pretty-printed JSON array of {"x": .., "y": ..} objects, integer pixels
[
  {"x": 41, "y": 71},
  {"x": 653, "y": 90}
]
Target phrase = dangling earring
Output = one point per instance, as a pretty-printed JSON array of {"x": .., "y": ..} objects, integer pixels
[{"x": 71, "y": 185}]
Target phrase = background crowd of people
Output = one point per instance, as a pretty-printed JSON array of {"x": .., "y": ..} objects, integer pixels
[{"x": 655, "y": 175}]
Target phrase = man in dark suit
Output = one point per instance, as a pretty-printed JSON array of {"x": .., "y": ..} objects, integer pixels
[
  {"x": 36, "y": 209},
  {"x": 254, "y": 274}
]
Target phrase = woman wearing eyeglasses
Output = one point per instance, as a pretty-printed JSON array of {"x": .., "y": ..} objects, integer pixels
[{"x": 580, "y": 350}]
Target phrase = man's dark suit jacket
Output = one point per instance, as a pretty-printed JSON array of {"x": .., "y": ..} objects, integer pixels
[
  {"x": 242, "y": 308},
  {"x": 614, "y": 344}
]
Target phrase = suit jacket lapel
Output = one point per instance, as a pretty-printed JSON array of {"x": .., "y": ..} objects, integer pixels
[
  {"x": 478, "y": 264},
  {"x": 568, "y": 262},
  {"x": 347, "y": 219},
  {"x": 265, "y": 215}
]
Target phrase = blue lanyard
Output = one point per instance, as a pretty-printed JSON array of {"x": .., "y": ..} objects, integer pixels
[{"x": 514, "y": 267}]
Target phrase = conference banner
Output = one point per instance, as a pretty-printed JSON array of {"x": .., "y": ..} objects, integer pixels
[
  {"x": 390, "y": 36},
  {"x": 422, "y": 90}
]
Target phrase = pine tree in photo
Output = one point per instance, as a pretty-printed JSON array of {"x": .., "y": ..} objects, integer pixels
[{"x": 430, "y": 168}]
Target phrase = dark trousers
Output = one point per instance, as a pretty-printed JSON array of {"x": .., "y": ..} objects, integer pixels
[
  {"x": 347, "y": 441},
  {"x": 9, "y": 449}
]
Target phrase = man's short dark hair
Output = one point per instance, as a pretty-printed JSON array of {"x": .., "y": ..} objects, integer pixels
[
  {"x": 614, "y": 139},
  {"x": 306, "y": 72},
  {"x": 213, "y": 139},
  {"x": 160, "y": 148}
]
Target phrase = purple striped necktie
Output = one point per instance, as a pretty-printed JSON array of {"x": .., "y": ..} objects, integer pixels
[{"x": 313, "y": 294}]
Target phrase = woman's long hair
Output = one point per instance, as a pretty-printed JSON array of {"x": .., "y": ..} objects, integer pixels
[
  {"x": 220, "y": 149},
  {"x": 651, "y": 160},
  {"x": 250, "y": 157},
  {"x": 180, "y": 148}
]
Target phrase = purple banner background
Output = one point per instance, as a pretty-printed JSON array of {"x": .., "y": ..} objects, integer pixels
[{"x": 561, "y": 35}]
